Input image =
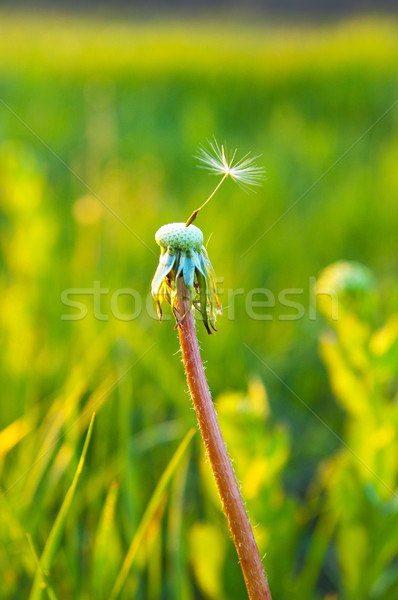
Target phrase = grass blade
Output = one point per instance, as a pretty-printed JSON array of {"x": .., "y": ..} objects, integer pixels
[
  {"x": 45, "y": 581},
  {"x": 107, "y": 553},
  {"x": 54, "y": 538},
  {"x": 148, "y": 514}
]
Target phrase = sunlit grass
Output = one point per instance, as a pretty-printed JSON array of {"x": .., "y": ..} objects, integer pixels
[{"x": 125, "y": 104}]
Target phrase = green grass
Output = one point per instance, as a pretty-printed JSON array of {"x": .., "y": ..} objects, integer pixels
[
  {"x": 116, "y": 109},
  {"x": 54, "y": 539}
]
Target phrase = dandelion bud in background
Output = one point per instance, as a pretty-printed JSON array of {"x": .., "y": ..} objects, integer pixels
[{"x": 350, "y": 285}]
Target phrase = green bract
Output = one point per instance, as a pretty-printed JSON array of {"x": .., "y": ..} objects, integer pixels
[{"x": 183, "y": 254}]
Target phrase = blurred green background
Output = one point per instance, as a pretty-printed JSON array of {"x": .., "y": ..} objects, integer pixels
[{"x": 113, "y": 110}]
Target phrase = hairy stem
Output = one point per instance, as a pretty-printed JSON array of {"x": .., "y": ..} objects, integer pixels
[{"x": 246, "y": 547}]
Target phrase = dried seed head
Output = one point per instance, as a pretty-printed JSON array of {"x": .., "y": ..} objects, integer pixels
[
  {"x": 176, "y": 236},
  {"x": 183, "y": 254}
]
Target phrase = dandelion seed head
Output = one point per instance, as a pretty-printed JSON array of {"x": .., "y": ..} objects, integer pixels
[
  {"x": 183, "y": 254},
  {"x": 178, "y": 237}
]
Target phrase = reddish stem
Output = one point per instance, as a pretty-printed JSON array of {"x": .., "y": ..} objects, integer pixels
[{"x": 246, "y": 547}]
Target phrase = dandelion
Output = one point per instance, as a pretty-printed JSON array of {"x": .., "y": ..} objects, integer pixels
[{"x": 185, "y": 278}]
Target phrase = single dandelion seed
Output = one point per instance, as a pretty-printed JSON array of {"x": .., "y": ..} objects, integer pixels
[
  {"x": 183, "y": 253},
  {"x": 245, "y": 171}
]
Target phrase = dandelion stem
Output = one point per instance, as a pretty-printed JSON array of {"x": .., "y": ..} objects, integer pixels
[
  {"x": 246, "y": 547},
  {"x": 195, "y": 212}
]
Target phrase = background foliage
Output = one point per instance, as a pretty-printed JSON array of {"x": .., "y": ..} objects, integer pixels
[{"x": 108, "y": 110}]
